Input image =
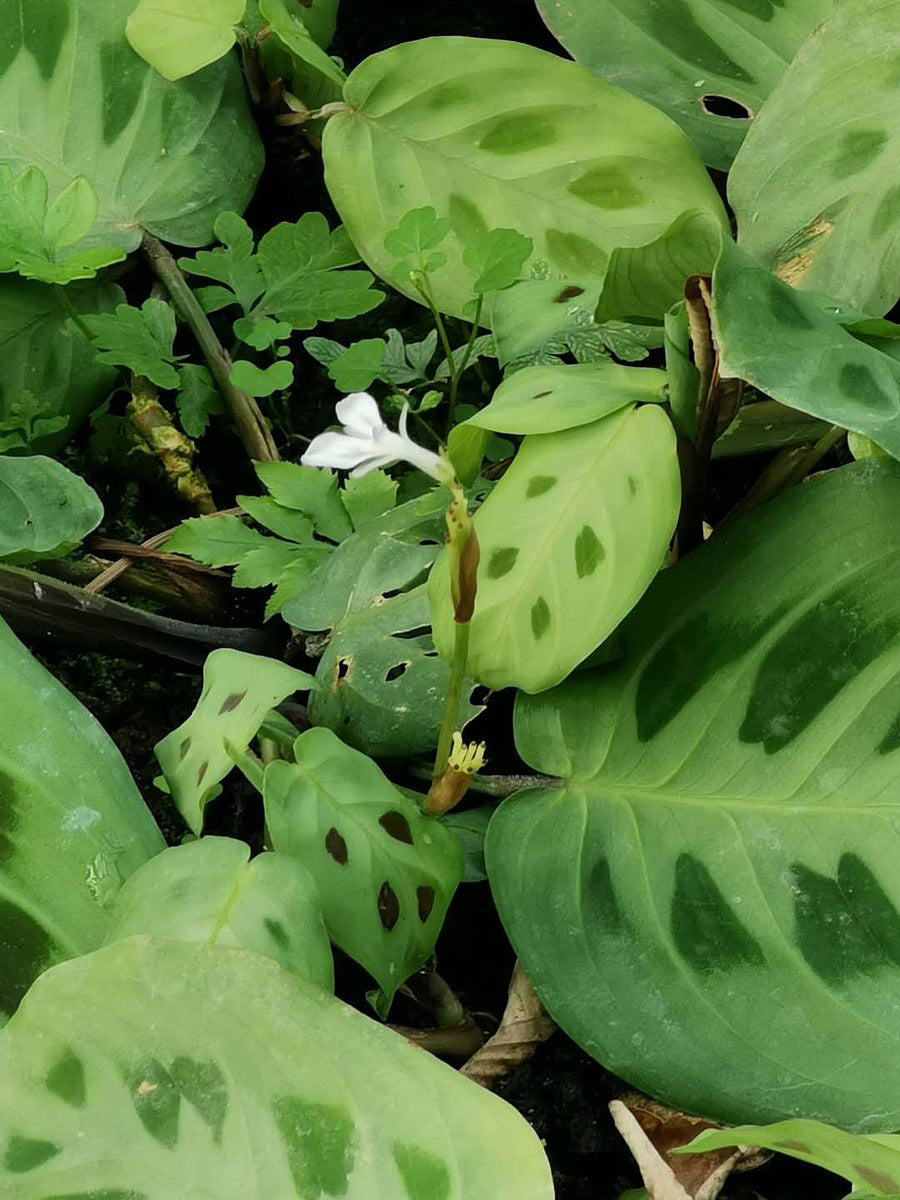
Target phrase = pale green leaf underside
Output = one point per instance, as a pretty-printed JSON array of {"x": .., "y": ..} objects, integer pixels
[
  {"x": 165, "y": 156},
  {"x": 238, "y": 691},
  {"x": 73, "y": 824},
  {"x": 787, "y": 345},
  {"x": 816, "y": 187},
  {"x": 675, "y": 54},
  {"x": 501, "y": 135},
  {"x": 45, "y": 509},
  {"x": 218, "y": 1075},
  {"x": 724, "y": 930},
  {"x": 210, "y": 891},
  {"x": 570, "y": 538}
]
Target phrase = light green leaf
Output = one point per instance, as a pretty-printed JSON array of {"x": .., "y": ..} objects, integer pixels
[
  {"x": 300, "y": 265},
  {"x": 786, "y": 345},
  {"x": 726, "y": 919},
  {"x": 685, "y": 56},
  {"x": 238, "y": 691},
  {"x": 290, "y": 28},
  {"x": 520, "y": 139},
  {"x": 368, "y": 497},
  {"x": 193, "y": 1071},
  {"x": 219, "y": 541},
  {"x": 354, "y": 368},
  {"x": 386, "y": 873},
  {"x": 35, "y": 235},
  {"x": 496, "y": 257},
  {"x": 867, "y": 1162},
  {"x": 233, "y": 264},
  {"x": 862, "y": 447},
  {"x": 382, "y": 687},
  {"x": 166, "y": 157},
  {"x": 414, "y": 240},
  {"x": 294, "y": 578},
  {"x": 209, "y": 891},
  {"x": 140, "y": 339},
  {"x": 570, "y": 538},
  {"x": 310, "y": 491},
  {"x": 816, "y": 187},
  {"x": 178, "y": 41},
  {"x": 259, "y": 381},
  {"x": 285, "y": 522},
  {"x": 74, "y": 824},
  {"x": 535, "y": 312},
  {"x": 645, "y": 283},
  {"x": 264, "y": 566},
  {"x": 45, "y": 509},
  {"x": 261, "y": 332},
  {"x": 548, "y": 399},
  {"x": 45, "y": 354}
]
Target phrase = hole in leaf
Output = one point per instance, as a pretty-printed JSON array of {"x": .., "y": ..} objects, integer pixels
[
  {"x": 425, "y": 897},
  {"x": 336, "y": 846},
  {"x": 388, "y": 906},
  {"x": 480, "y": 694},
  {"x": 429, "y": 542},
  {"x": 341, "y": 671},
  {"x": 419, "y": 631},
  {"x": 396, "y": 672},
  {"x": 397, "y": 826},
  {"x": 724, "y": 106}
]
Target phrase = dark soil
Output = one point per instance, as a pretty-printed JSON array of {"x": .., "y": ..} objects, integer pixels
[{"x": 561, "y": 1091}]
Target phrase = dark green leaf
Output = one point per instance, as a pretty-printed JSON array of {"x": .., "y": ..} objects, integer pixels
[{"x": 140, "y": 339}]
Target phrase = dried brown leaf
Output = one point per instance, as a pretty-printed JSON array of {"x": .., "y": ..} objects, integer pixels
[{"x": 524, "y": 1026}]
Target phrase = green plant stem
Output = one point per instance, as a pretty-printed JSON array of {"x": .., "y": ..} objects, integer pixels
[
  {"x": 251, "y": 767},
  {"x": 456, "y": 374},
  {"x": 251, "y": 425},
  {"x": 74, "y": 316},
  {"x": 454, "y": 694},
  {"x": 439, "y": 325}
]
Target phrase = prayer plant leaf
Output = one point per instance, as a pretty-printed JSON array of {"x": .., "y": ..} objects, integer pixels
[
  {"x": 210, "y": 891},
  {"x": 381, "y": 685},
  {"x": 238, "y": 691},
  {"x": 386, "y": 872},
  {"x": 534, "y": 312},
  {"x": 816, "y": 187},
  {"x": 570, "y": 538},
  {"x": 291, "y": 29},
  {"x": 689, "y": 57},
  {"x": 725, "y": 928},
  {"x": 177, "y": 39},
  {"x": 45, "y": 354},
  {"x": 37, "y": 238},
  {"x": 45, "y": 509},
  {"x": 162, "y": 156},
  {"x": 871, "y": 1164},
  {"x": 552, "y": 398},
  {"x": 202, "y": 1072},
  {"x": 74, "y": 824},
  {"x": 499, "y": 135},
  {"x": 791, "y": 348},
  {"x": 140, "y": 339}
]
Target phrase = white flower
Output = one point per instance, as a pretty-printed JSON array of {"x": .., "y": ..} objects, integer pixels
[{"x": 366, "y": 443}]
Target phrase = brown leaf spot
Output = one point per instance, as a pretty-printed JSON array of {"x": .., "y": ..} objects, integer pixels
[
  {"x": 397, "y": 826},
  {"x": 878, "y": 1179},
  {"x": 202, "y": 772},
  {"x": 230, "y": 703},
  {"x": 789, "y": 1144},
  {"x": 388, "y": 906},
  {"x": 568, "y": 293},
  {"x": 541, "y": 395},
  {"x": 425, "y": 897},
  {"x": 185, "y": 746},
  {"x": 336, "y": 846}
]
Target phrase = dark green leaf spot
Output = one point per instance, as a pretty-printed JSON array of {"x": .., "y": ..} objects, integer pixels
[
  {"x": 540, "y": 618},
  {"x": 25, "y": 1153},
  {"x": 589, "y": 552},
  {"x": 156, "y": 1100},
  {"x": 607, "y": 186},
  {"x": 336, "y": 846},
  {"x": 27, "y": 950},
  {"x": 786, "y": 308},
  {"x": 45, "y": 31},
  {"x": 230, "y": 703},
  {"x": 859, "y": 384},
  {"x": 887, "y": 214},
  {"x": 425, "y": 899},
  {"x": 65, "y": 1079},
  {"x": 706, "y": 930},
  {"x": 519, "y": 133},
  {"x": 277, "y": 932},
  {"x": 763, "y": 10},
  {"x": 424, "y": 1175},
  {"x": 846, "y": 926},
  {"x": 396, "y": 824},
  {"x": 674, "y": 26},
  {"x": 632, "y": 486},
  {"x": 124, "y": 76},
  {"x": 599, "y": 897},
  {"x": 317, "y": 1139},
  {"x": 891, "y": 740},
  {"x": 502, "y": 561},
  {"x": 203, "y": 1086},
  {"x": 574, "y": 254},
  {"x": 9, "y": 819},
  {"x": 466, "y": 219},
  {"x": 100, "y": 1194},
  {"x": 388, "y": 906},
  {"x": 856, "y": 150},
  {"x": 538, "y": 484}
]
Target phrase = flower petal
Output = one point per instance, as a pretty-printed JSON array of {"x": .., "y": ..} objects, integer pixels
[
  {"x": 359, "y": 415},
  {"x": 336, "y": 450}
]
